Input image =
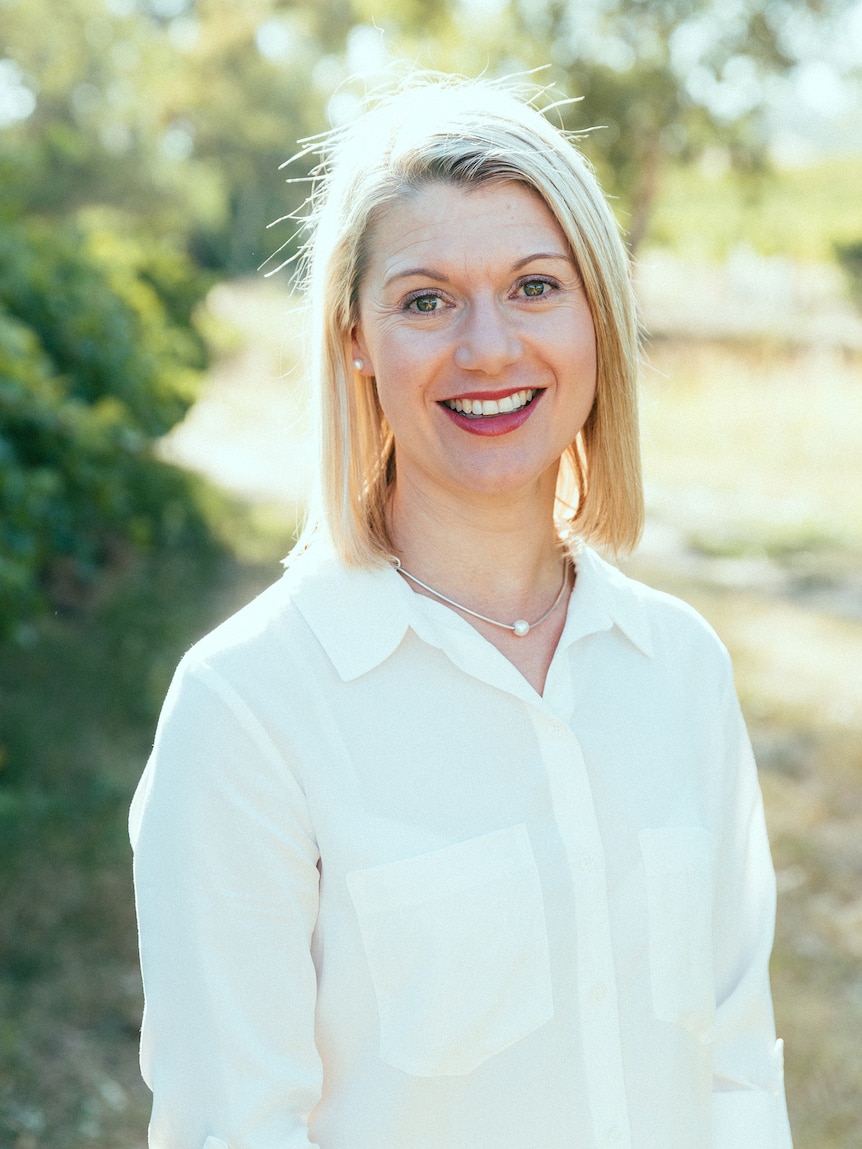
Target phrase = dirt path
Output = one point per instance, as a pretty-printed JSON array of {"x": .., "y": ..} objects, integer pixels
[{"x": 248, "y": 430}]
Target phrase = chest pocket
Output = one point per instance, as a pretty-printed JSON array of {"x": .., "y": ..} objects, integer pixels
[
  {"x": 678, "y": 871},
  {"x": 457, "y": 949}
]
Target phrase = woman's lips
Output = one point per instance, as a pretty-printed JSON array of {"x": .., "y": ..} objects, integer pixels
[{"x": 492, "y": 412}]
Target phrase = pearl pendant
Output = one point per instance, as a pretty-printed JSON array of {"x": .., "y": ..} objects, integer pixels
[{"x": 521, "y": 627}]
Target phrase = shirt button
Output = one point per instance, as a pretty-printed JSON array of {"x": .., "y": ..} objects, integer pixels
[
  {"x": 614, "y": 1136},
  {"x": 599, "y": 992},
  {"x": 558, "y": 728},
  {"x": 587, "y": 861}
]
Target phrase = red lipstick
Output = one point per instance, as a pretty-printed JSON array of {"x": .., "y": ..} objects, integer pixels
[{"x": 491, "y": 425}]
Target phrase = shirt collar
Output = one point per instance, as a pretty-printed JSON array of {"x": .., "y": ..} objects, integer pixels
[
  {"x": 603, "y": 598},
  {"x": 360, "y": 616}
]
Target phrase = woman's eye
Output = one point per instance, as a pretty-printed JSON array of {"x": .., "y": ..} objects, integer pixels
[
  {"x": 533, "y": 288},
  {"x": 424, "y": 303}
]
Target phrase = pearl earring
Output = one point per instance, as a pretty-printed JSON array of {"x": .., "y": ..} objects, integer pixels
[{"x": 358, "y": 364}]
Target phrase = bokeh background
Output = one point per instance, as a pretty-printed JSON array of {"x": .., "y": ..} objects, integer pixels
[{"x": 154, "y": 453}]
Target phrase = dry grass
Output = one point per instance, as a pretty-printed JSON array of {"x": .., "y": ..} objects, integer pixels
[
  {"x": 755, "y": 440},
  {"x": 753, "y": 477}
]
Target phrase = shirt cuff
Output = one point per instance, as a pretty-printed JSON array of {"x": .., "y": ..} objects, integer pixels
[{"x": 752, "y": 1118}]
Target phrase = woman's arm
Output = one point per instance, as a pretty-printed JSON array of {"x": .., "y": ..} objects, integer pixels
[
  {"x": 226, "y": 884},
  {"x": 749, "y": 1110}
]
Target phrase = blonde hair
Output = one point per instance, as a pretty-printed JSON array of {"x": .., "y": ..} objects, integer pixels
[{"x": 462, "y": 132}]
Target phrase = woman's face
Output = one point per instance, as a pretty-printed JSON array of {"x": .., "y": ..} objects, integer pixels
[{"x": 473, "y": 321}]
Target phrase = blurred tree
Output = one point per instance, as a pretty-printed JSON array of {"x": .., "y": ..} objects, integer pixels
[
  {"x": 849, "y": 256},
  {"x": 96, "y": 358},
  {"x": 253, "y": 82},
  {"x": 666, "y": 79},
  {"x": 165, "y": 116},
  {"x": 98, "y": 346},
  {"x": 657, "y": 81},
  {"x": 95, "y": 76},
  {"x": 177, "y": 113}
]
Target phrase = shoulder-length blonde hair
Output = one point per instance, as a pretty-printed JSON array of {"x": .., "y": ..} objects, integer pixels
[{"x": 462, "y": 132}]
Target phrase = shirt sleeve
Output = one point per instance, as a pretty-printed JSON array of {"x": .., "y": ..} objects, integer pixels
[
  {"x": 226, "y": 884},
  {"x": 749, "y": 1109}
]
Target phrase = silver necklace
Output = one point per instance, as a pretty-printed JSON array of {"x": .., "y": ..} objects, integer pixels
[{"x": 520, "y": 627}]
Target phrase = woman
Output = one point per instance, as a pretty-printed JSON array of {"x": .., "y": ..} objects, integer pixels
[{"x": 452, "y": 839}]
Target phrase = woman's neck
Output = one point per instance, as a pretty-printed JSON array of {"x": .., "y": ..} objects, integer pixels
[{"x": 499, "y": 557}]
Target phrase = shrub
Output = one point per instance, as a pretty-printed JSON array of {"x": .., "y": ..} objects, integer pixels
[{"x": 98, "y": 356}]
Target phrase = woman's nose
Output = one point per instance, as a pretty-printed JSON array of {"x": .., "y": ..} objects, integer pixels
[{"x": 487, "y": 340}]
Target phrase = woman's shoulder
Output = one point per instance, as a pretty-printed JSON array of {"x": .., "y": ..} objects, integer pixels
[
  {"x": 287, "y": 629},
  {"x": 250, "y": 629},
  {"x": 267, "y": 631},
  {"x": 671, "y": 623}
]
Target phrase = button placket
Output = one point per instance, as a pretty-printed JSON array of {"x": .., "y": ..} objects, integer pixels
[{"x": 574, "y": 811}]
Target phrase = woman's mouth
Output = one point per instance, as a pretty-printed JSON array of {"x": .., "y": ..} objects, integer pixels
[
  {"x": 483, "y": 408},
  {"x": 495, "y": 415}
]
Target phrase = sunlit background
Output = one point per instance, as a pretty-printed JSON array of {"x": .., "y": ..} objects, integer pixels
[{"x": 154, "y": 448}]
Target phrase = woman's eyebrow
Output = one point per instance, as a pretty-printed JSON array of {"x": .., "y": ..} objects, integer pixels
[
  {"x": 430, "y": 273},
  {"x": 543, "y": 255},
  {"x": 421, "y": 272}
]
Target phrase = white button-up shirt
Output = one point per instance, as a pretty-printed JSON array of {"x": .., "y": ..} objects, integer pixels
[{"x": 392, "y": 898}]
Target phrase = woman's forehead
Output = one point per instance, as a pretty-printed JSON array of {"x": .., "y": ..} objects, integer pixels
[{"x": 439, "y": 217}]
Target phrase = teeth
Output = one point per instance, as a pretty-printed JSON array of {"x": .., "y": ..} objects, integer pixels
[{"x": 485, "y": 407}]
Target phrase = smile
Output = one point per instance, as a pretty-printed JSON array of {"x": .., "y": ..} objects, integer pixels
[{"x": 482, "y": 408}]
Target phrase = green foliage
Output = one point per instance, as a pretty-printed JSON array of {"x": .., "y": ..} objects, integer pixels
[
  {"x": 179, "y": 115},
  {"x": 77, "y": 713},
  {"x": 98, "y": 83},
  {"x": 849, "y": 255},
  {"x": 804, "y": 213},
  {"x": 656, "y": 83},
  {"x": 97, "y": 356}
]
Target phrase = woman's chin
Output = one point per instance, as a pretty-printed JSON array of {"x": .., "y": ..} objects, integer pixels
[{"x": 489, "y": 482}]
